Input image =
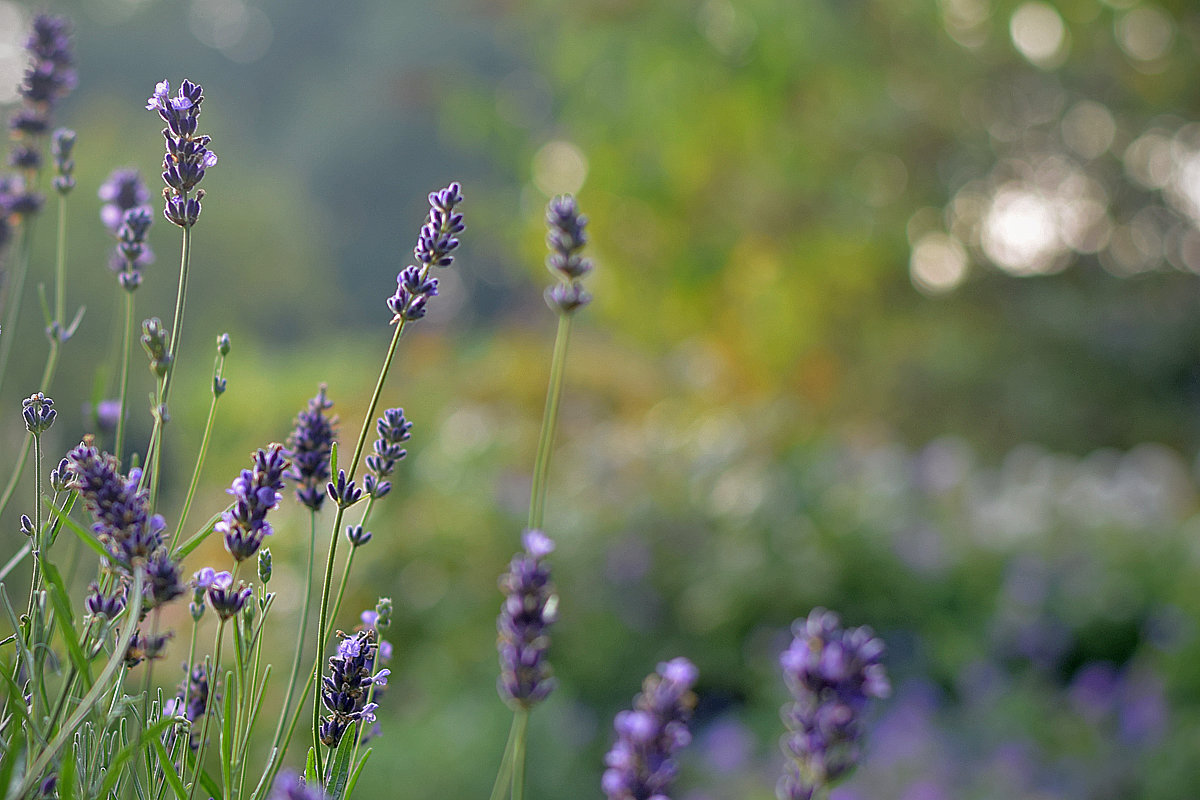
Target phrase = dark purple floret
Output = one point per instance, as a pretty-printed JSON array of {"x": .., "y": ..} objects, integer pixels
[
  {"x": 832, "y": 674},
  {"x": 309, "y": 447},
  {"x": 38, "y": 411},
  {"x": 530, "y": 607},
  {"x": 163, "y": 582},
  {"x": 25, "y": 157},
  {"x": 62, "y": 145},
  {"x": 255, "y": 492},
  {"x": 224, "y": 598},
  {"x": 123, "y": 523},
  {"x": 187, "y": 154},
  {"x": 290, "y": 786},
  {"x": 434, "y": 248},
  {"x": 566, "y": 237},
  {"x": 357, "y": 535},
  {"x": 105, "y": 605},
  {"x": 344, "y": 691},
  {"x": 343, "y": 491},
  {"x": 641, "y": 764},
  {"x": 142, "y": 647},
  {"x": 60, "y": 476}
]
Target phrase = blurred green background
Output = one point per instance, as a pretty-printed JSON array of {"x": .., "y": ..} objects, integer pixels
[{"x": 895, "y": 313}]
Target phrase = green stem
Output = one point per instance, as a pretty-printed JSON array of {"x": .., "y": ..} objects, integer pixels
[
  {"x": 208, "y": 428},
  {"x": 60, "y": 263},
  {"x": 541, "y": 464},
  {"x": 291, "y": 684},
  {"x": 521, "y": 722},
  {"x": 321, "y": 635},
  {"x": 215, "y": 669},
  {"x": 504, "y": 774},
  {"x": 156, "y": 433},
  {"x": 126, "y": 344}
]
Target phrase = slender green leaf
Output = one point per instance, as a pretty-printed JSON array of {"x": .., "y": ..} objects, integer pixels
[
  {"x": 227, "y": 734},
  {"x": 15, "y": 560},
  {"x": 66, "y": 775},
  {"x": 197, "y": 538},
  {"x": 207, "y": 782},
  {"x": 65, "y": 512},
  {"x": 357, "y": 771},
  {"x": 75, "y": 528},
  {"x": 168, "y": 769},
  {"x": 18, "y": 708},
  {"x": 66, "y": 621},
  {"x": 310, "y": 768},
  {"x": 339, "y": 767},
  {"x": 15, "y": 746}
]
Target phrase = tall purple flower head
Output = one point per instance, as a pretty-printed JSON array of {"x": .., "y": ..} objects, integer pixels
[
  {"x": 832, "y": 674},
  {"x": 435, "y": 246},
  {"x": 641, "y": 765},
  {"x": 49, "y": 76},
  {"x": 255, "y": 492},
  {"x": 344, "y": 691},
  {"x": 187, "y": 155},
  {"x": 530, "y": 607},
  {"x": 566, "y": 237},
  {"x": 123, "y": 522},
  {"x": 309, "y": 446}
]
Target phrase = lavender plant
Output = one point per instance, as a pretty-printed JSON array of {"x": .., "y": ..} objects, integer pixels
[{"x": 82, "y": 713}]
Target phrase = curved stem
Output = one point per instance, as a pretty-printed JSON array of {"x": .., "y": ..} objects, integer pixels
[
  {"x": 541, "y": 464},
  {"x": 521, "y": 724},
  {"x": 191, "y": 492},
  {"x": 126, "y": 344},
  {"x": 504, "y": 774},
  {"x": 304, "y": 609}
]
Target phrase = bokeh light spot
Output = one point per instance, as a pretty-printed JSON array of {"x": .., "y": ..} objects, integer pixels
[
  {"x": 1088, "y": 128},
  {"x": 938, "y": 263},
  {"x": 1145, "y": 33},
  {"x": 559, "y": 168},
  {"x": 1039, "y": 34}
]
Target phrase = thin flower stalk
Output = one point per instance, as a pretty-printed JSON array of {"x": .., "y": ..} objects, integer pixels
[{"x": 218, "y": 389}]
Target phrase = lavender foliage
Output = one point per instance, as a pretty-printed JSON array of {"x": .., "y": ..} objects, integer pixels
[
  {"x": 832, "y": 673},
  {"x": 530, "y": 607},
  {"x": 309, "y": 447},
  {"x": 641, "y": 765}
]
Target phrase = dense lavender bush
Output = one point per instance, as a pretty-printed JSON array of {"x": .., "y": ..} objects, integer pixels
[{"x": 83, "y": 713}]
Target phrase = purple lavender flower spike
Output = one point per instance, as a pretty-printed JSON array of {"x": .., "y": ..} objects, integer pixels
[
  {"x": 344, "y": 691},
  {"x": 255, "y": 492},
  {"x": 123, "y": 522},
  {"x": 434, "y": 248},
  {"x": 310, "y": 445},
  {"x": 187, "y": 155},
  {"x": 189, "y": 702},
  {"x": 641, "y": 764},
  {"x": 530, "y": 607},
  {"x": 62, "y": 145},
  {"x": 832, "y": 674},
  {"x": 566, "y": 237},
  {"x": 393, "y": 431}
]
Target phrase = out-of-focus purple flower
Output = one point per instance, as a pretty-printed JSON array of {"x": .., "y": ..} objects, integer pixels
[
  {"x": 123, "y": 523},
  {"x": 309, "y": 447},
  {"x": 290, "y": 786},
  {"x": 143, "y": 647},
  {"x": 344, "y": 691},
  {"x": 255, "y": 492},
  {"x": 38, "y": 411},
  {"x": 530, "y": 607},
  {"x": 566, "y": 237},
  {"x": 122, "y": 191},
  {"x": 62, "y": 145},
  {"x": 187, "y": 155},
  {"x": 832, "y": 674},
  {"x": 641, "y": 765},
  {"x": 163, "y": 582},
  {"x": 104, "y": 605},
  {"x": 154, "y": 341},
  {"x": 190, "y": 702},
  {"x": 226, "y": 600},
  {"x": 434, "y": 248},
  {"x": 50, "y": 74}
]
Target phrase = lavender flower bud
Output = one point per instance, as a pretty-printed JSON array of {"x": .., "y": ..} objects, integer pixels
[
  {"x": 383, "y": 614},
  {"x": 163, "y": 579},
  {"x": 530, "y": 607},
  {"x": 832, "y": 674},
  {"x": 224, "y": 599},
  {"x": 38, "y": 411},
  {"x": 343, "y": 491},
  {"x": 60, "y": 477},
  {"x": 264, "y": 565},
  {"x": 223, "y": 344},
  {"x": 310, "y": 445},
  {"x": 26, "y": 525},
  {"x": 641, "y": 764},
  {"x": 357, "y": 536},
  {"x": 154, "y": 341},
  {"x": 102, "y": 605},
  {"x": 393, "y": 430}
]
